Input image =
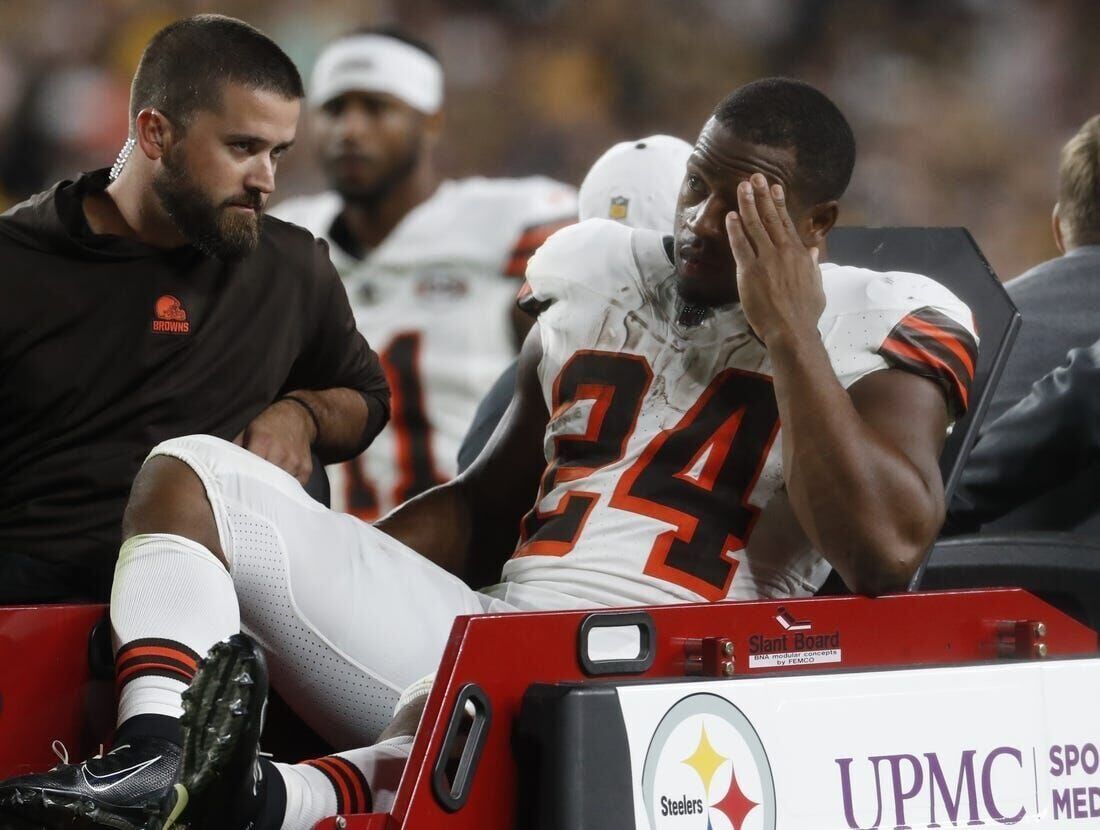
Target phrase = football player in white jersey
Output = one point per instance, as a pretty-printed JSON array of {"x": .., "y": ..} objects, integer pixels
[
  {"x": 635, "y": 183},
  {"x": 645, "y": 431},
  {"x": 431, "y": 267}
]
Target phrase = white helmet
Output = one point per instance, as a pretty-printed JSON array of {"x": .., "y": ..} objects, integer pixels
[{"x": 636, "y": 183}]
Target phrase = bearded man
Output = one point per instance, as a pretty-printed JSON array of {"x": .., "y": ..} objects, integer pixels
[{"x": 155, "y": 300}]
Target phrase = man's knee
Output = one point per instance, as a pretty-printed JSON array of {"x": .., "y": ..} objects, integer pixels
[{"x": 168, "y": 497}]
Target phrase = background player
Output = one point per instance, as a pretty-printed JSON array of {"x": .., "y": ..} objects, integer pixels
[
  {"x": 431, "y": 268},
  {"x": 656, "y": 380},
  {"x": 634, "y": 182}
]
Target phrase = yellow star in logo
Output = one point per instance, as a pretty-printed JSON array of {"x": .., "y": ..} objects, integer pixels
[{"x": 705, "y": 761}]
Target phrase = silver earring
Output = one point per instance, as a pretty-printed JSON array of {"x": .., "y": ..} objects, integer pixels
[{"x": 123, "y": 157}]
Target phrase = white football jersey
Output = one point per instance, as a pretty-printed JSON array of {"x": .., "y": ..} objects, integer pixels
[
  {"x": 435, "y": 300},
  {"x": 664, "y": 481}
]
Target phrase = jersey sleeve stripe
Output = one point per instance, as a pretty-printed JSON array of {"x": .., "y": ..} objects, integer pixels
[
  {"x": 927, "y": 342},
  {"x": 935, "y": 348},
  {"x": 919, "y": 361},
  {"x": 529, "y": 242},
  {"x": 945, "y": 330}
]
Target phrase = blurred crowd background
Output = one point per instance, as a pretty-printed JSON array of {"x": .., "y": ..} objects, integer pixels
[{"x": 959, "y": 106}]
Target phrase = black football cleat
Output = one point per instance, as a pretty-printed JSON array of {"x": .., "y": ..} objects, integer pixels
[
  {"x": 119, "y": 790},
  {"x": 220, "y": 784}
]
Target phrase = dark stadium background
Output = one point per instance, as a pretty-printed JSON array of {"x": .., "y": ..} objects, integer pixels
[{"x": 959, "y": 107}]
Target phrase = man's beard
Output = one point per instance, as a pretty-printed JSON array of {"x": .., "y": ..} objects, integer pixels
[
  {"x": 373, "y": 193},
  {"x": 216, "y": 230}
]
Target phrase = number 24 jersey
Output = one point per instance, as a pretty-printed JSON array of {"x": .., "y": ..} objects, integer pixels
[{"x": 664, "y": 480}]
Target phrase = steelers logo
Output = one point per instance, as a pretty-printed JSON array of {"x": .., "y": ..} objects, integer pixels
[{"x": 706, "y": 769}]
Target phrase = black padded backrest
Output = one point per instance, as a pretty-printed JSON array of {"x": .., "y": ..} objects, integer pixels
[
  {"x": 951, "y": 257},
  {"x": 1061, "y": 568}
]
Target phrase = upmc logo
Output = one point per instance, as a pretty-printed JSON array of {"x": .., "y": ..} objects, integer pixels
[
  {"x": 933, "y": 789},
  {"x": 706, "y": 769}
]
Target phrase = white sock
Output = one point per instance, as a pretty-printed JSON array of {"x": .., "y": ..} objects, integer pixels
[
  {"x": 171, "y": 601},
  {"x": 358, "y": 781}
]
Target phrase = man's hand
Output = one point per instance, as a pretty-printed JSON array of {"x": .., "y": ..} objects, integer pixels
[
  {"x": 283, "y": 434},
  {"x": 777, "y": 276}
]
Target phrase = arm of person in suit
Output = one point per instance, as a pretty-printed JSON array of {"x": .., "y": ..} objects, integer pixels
[{"x": 1045, "y": 439}]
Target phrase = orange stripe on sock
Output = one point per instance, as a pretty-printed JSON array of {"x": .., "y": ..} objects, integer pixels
[
  {"x": 357, "y": 781},
  {"x": 159, "y": 651},
  {"x": 343, "y": 795},
  {"x": 128, "y": 673}
]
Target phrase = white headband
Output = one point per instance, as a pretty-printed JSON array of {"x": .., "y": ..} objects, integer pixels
[{"x": 376, "y": 63}]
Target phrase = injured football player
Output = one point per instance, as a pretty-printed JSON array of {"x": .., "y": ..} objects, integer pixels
[{"x": 714, "y": 415}]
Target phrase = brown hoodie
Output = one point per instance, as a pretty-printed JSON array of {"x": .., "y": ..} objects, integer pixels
[{"x": 109, "y": 346}]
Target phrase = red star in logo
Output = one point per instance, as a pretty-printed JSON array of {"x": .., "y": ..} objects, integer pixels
[{"x": 735, "y": 805}]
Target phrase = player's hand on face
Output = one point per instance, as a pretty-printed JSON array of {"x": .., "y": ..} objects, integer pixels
[
  {"x": 283, "y": 434},
  {"x": 777, "y": 276}
]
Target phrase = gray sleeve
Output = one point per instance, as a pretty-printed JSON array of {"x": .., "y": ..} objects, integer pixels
[{"x": 1047, "y": 438}]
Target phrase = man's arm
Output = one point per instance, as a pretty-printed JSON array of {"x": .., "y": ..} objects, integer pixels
[
  {"x": 469, "y": 526},
  {"x": 861, "y": 467},
  {"x": 1043, "y": 441},
  {"x": 335, "y": 399},
  {"x": 334, "y": 423}
]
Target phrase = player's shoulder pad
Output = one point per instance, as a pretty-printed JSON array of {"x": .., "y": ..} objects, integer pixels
[
  {"x": 529, "y": 201},
  {"x": 593, "y": 257},
  {"x": 851, "y": 290},
  {"x": 314, "y": 213},
  {"x": 524, "y": 188},
  {"x": 899, "y": 320}
]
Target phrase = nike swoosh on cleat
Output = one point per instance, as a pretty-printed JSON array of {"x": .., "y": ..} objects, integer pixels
[
  {"x": 113, "y": 779},
  {"x": 179, "y": 807}
]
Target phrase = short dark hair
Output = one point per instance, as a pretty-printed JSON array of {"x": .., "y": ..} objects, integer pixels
[
  {"x": 187, "y": 63},
  {"x": 1079, "y": 184},
  {"x": 397, "y": 33},
  {"x": 783, "y": 112}
]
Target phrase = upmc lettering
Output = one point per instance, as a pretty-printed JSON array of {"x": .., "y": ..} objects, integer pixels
[
  {"x": 1075, "y": 802},
  {"x": 912, "y": 786},
  {"x": 1063, "y": 758}
]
